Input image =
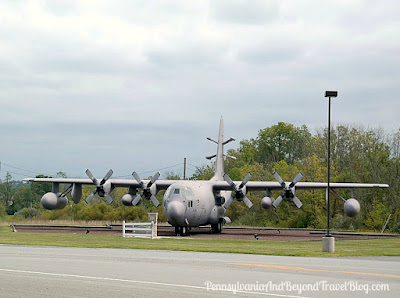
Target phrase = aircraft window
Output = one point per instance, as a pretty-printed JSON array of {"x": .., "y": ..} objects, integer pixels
[
  {"x": 189, "y": 192},
  {"x": 167, "y": 193},
  {"x": 176, "y": 191},
  {"x": 190, "y": 204}
]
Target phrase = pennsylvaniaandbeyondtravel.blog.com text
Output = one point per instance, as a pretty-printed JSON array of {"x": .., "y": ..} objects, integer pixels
[{"x": 288, "y": 286}]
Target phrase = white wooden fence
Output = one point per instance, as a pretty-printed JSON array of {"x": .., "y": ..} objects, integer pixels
[{"x": 136, "y": 229}]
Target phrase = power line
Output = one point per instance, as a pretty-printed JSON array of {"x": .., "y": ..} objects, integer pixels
[
  {"x": 17, "y": 168},
  {"x": 152, "y": 171},
  {"x": 195, "y": 165},
  {"x": 18, "y": 174},
  {"x": 121, "y": 176}
]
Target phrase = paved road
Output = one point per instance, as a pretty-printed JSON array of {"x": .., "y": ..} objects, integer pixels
[{"x": 32, "y": 271}]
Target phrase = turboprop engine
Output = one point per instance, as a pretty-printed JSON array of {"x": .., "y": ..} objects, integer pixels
[
  {"x": 238, "y": 192},
  {"x": 52, "y": 201},
  {"x": 149, "y": 191}
]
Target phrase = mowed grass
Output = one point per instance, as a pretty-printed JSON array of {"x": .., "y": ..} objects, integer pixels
[{"x": 380, "y": 247}]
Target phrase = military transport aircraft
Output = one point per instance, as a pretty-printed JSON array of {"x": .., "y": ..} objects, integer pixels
[{"x": 193, "y": 203}]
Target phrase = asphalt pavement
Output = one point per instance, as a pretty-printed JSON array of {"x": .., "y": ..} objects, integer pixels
[{"x": 35, "y": 271}]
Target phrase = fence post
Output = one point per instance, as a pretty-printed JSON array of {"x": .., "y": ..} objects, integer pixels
[
  {"x": 153, "y": 216},
  {"x": 123, "y": 229}
]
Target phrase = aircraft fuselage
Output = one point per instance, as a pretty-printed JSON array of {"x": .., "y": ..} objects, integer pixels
[{"x": 191, "y": 204}]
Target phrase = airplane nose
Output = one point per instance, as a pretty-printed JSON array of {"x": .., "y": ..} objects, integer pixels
[{"x": 176, "y": 213}]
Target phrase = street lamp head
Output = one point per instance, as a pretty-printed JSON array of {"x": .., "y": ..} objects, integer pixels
[{"x": 330, "y": 93}]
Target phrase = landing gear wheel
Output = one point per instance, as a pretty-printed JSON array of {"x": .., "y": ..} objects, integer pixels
[
  {"x": 216, "y": 228},
  {"x": 181, "y": 231}
]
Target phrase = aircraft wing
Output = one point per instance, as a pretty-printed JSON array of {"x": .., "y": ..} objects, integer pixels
[
  {"x": 272, "y": 185},
  {"x": 161, "y": 184},
  {"x": 59, "y": 180},
  {"x": 217, "y": 185},
  {"x": 316, "y": 185}
]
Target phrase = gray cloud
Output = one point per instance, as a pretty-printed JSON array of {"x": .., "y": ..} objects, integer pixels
[
  {"x": 245, "y": 12},
  {"x": 139, "y": 85}
]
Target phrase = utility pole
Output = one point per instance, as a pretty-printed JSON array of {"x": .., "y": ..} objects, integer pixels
[{"x": 184, "y": 168}]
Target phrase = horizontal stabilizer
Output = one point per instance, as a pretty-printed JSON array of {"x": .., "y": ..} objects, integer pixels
[
  {"x": 228, "y": 141},
  {"x": 208, "y": 138}
]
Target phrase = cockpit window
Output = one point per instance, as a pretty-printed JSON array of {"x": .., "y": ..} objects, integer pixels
[
  {"x": 189, "y": 192},
  {"x": 181, "y": 191},
  {"x": 167, "y": 192}
]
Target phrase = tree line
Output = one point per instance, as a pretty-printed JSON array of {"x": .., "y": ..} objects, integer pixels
[{"x": 357, "y": 155}]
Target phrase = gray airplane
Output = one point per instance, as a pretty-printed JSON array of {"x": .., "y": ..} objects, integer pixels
[{"x": 193, "y": 203}]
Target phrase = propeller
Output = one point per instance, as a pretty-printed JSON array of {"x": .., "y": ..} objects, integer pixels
[
  {"x": 102, "y": 189},
  {"x": 288, "y": 190},
  {"x": 238, "y": 192},
  {"x": 147, "y": 192}
]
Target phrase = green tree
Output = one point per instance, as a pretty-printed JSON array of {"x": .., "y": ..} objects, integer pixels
[
  {"x": 172, "y": 176},
  {"x": 204, "y": 172},
  {"x": 7, "y": 191},
  {"x": 282, "y": 142}
]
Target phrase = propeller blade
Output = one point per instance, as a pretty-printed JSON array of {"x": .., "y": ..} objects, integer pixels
[
  {"x": 230, "y": 182},
  {"x": 155, "y": 201},
  {"x": 136, "y": 200},
  {"x": 90, "y": 197},
  {"x": 298, "y": 203},
  {"x": 91, "y": 176},
  {"x": 137, "y": 178},
  {"x": 245, "y": 180},
  {"x": 108, "y": 198},
  {"x": 277, "y": 201},
  {"x": 247, "y": 202},
  {"x": 228, "y": 202},
  {"x": 106, "y": 177},
  {"x": 296, "y": 179},
  {"x": 154, "y": 178},
  {"x": 279, "y": 179}
]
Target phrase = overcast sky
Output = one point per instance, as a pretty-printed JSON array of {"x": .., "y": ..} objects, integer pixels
[{"x": 139, "y": 85}]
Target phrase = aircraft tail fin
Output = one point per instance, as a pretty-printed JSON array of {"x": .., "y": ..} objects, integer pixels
[{"x": 219, "y": 162}]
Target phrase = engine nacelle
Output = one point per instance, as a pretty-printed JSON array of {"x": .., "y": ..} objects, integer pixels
[
  {"x": 352, "y": 207},
  {"x": 266, "y": 202},
  {"x": 217, "y": 212},
  {"x": 107, "y": 187},
  {"x": 52, "y": 201},
  {"x": 76, "y": 193},
  {"x": 127, "y": 199},
  {"x": 244, "y": 192}
]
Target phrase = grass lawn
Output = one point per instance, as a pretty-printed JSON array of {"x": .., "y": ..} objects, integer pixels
[{"x": 379, "y": 247}]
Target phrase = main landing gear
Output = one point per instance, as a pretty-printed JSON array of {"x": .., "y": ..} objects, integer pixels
[
  {"x": 181, "y": 231},
  {"x": 216, "y": 228}
]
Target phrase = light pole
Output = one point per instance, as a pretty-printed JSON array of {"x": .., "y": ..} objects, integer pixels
[{"x": 328, "y": 243}]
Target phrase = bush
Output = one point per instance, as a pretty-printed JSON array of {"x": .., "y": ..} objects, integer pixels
[{"x": 28, "y": 213}]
